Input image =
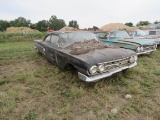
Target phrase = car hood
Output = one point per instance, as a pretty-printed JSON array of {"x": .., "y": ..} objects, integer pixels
[
  {"x": 153, "y": 36},
  {"x": 139, "y": 41},
  {"x": 103, "y": 55},
  {"x": 152, "y": 39}
]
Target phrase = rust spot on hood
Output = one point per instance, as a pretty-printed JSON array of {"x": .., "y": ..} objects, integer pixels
[{"x": 78, "y": 48}]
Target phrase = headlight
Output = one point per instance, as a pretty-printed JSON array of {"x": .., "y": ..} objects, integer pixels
[
  {"x": 132, "y": 59},
  {"x": 155, "y": 46},
  {"x": 93, "y": 70},
  {"x": 138, "y": 49},
  {"x": 141, "y": 48},
  {"x": 101, "y": 68},
  {"x": 136, "y": 58}
]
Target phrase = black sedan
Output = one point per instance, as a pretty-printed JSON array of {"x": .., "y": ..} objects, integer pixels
[{"x": 81, "y": 50}]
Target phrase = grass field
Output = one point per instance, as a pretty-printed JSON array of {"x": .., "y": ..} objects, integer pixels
[{"x": 32, "y": 88}]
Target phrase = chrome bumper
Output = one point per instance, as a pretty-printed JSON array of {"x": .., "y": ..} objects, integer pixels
[
  {"x": 145, "y": 52},
  {"x": 103, "y": 75}
]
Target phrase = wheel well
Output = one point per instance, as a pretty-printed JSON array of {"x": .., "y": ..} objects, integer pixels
[{"x": 69, "y": 67}]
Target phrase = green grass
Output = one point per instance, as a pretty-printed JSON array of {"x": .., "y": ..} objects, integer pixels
[{"x": 32, "y": 88}]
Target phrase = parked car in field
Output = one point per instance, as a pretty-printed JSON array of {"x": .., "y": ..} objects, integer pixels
[
  {"x": 123, "y": 40},
  {"x": 81, "y": 50},
  {"x": 150, "y": 35}
]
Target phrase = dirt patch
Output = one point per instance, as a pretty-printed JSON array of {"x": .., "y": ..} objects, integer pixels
[
  {"x": 114, "y": 26},
  {"x": 16, "y": 68},
  {"x": 21, "y": 29},
  {"x": 78, "y": 48},
  {"x": 66, "y": 28}
]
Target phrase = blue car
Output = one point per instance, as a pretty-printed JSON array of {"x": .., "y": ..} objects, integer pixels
[
  {"x": 123, "y": 40},
  {"x": 149, "y": 35}
]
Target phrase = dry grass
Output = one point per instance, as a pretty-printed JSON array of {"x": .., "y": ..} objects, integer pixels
[
  {"x": 32, "y": 88},
  {"x": 21, "y": 29}
]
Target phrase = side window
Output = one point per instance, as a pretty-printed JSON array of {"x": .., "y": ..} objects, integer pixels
[
  {"x": 54, "y": 39},
  {"x": 96, "y": 34},
  {"x": 103, "y": 35},
  {"x": 47, "y": 39},
  {"x": 112, "y": 35},
  {"x": 152, "y": 32},
  {"x": 137, "y": 33}
]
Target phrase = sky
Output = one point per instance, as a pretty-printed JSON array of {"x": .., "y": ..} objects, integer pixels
[{"x": 88, "y": 13}]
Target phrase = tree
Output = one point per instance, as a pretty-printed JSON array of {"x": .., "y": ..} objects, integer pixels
[
  {"x": 42, "y": 25},
  {"x": 55, "y": 23},
  {"x": 95, "y": 28},
  {"x": 143, "y": 23},
  {"x": 32, "y": 26},
  {"x": 156, "y": 22},
  {"x": 20, "y": 22},
  {"x": 4, "y": 25},
  {"x": 61, "y": 23},
  {"x": 73, "y": 23},
  {"x": 129, "y": 24}
]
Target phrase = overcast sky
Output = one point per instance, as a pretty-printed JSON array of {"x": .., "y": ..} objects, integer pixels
[{"x": 88, "y": 13}]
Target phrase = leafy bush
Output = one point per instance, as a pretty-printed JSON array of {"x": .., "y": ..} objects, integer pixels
[{"x": 4, "y": 36}]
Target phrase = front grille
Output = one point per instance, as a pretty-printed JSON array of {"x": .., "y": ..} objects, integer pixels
[
  {"x": 116, "y": 64},
  {"x": 148, "y": 47}
]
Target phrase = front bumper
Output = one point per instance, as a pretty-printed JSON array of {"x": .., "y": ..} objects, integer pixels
[
  {"x": 145, "y": 52},
  {"x": 103, "y": 75}
]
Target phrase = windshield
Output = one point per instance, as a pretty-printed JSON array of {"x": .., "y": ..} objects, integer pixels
[
  {"x": 120, "y": 34},
  {"x": 140, "y": 33},
  {"x": 69, "y": 38}
]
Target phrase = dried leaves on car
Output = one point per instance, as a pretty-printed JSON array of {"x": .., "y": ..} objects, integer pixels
[{"x": 78, "y": 48}]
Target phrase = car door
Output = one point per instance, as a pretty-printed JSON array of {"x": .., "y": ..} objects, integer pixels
[
  {"x": 43, "y": 45},
  {"x": 53, "y": 47}
]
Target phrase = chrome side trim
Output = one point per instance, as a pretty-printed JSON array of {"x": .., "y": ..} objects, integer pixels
[
  {"x": 103, "y": 75},
  {"x": 145, "y": 52}
]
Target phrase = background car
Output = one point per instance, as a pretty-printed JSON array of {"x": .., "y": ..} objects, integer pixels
[
  {"x": 123, "y": 40},
  {"x": 81, "y": 50},
  {"x": 148, "y": 35}
]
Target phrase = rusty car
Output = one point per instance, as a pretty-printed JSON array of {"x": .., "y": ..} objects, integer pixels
[
  {"x": 81, "y": 50},
  {"x": 123, "y": 40}
]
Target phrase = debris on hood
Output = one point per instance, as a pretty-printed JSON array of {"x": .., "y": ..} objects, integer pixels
[{"x": 78, "y": 48}]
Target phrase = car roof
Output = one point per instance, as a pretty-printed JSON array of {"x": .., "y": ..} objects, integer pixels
[
  {"x": 154, "y": 30},
  {"x": 134, "y": 30},
  {"x": 109, "y": 31},
  {"x": 59, "y": 32}
]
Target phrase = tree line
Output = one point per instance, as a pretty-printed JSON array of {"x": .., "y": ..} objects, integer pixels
[
  {"x": 53, "y": 23},
  {"x": 43, "y": 25},
  {"x": 141, "y": 23}
]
